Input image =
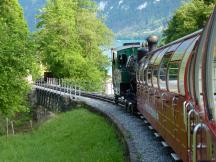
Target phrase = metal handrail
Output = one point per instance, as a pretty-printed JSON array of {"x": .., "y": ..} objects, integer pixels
[
  {"x": 185, "y": 107},
  {"x": 189, "y": 124},
  {"x": 194, "y": 148}
]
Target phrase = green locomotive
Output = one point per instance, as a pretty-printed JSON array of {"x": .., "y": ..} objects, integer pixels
[{"x": 125, "y": 60}]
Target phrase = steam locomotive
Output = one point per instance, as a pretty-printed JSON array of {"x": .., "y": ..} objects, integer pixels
[{"x": 174, "y": 88}]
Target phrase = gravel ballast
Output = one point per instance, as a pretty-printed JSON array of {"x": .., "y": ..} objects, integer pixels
[{"x": 143, "y": 145}]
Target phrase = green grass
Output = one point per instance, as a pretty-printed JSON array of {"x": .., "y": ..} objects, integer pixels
[{"x": 75, "y": 136}]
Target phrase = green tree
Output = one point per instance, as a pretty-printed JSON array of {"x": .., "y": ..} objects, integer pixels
[
  {"x": 189, "y": 18},
  {"x": 15, "y": 58},
  {"x": 70, "y": 38}
]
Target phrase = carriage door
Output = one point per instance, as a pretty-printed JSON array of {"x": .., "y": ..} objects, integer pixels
[{"x": 202, "y": 133}]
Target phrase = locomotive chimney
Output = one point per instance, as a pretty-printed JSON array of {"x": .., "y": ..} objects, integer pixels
[{"x": 152, "y": 42}]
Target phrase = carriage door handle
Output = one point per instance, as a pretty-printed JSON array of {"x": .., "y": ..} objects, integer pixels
[
  {"x": 196, "y": 115},
  {"x": 163, "y": 99},
  {"x": 186, "y": 108},
  {"x": 174, "y": 99},
  {"x": 162, "y": 95}
]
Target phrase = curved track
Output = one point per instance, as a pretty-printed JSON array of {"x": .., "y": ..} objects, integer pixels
[{"x": 142, "y": 144}]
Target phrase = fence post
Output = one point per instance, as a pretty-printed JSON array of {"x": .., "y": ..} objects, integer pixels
[
  {"x": 7, "y": 132},
  {"x": 75, "y": 91},
  {"x": 12, "y": 127},
  {"x": 31, "y": 125},
  {"x": 80, "y": 90}
]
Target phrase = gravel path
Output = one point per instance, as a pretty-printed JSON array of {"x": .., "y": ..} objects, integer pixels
[{"x": 143, "y": 145}]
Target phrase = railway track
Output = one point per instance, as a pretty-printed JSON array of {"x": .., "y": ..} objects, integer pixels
[{"x": 139, "y": 132}]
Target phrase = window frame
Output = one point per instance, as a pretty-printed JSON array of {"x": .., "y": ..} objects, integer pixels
[
  {"x": 209, "y": 54},
  {"x": 168, "y": 69},
  {"x": 198, "y": 70},
  {"x": 149, "y": 81},
  {"x": 185, "y": 65},
  {"x": 159, "y": 69}
]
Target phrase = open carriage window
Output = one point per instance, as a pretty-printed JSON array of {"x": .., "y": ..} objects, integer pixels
[
  {"x": 145, "y": 69},
  {"x": 145, "y": 75},
  {"x": 183, "y": 53},
  {"x": 141, "y": 73},
  {"x": 149, "y": 76},
  {"x": 163, "y": 70},
  {"x": 173, "y": 77},
  {"x": 155, "y": 76},
  {"x": 155, "y": 71}
]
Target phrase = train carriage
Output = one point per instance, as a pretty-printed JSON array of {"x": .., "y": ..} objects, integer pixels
[
  {"x": 203, "y": 109},
  {"x": 176, "y": 88}
]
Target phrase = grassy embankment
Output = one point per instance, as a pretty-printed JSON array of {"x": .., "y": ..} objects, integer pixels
[{"x": 75, "y": 136}]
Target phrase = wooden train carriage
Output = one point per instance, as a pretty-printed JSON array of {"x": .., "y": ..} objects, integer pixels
[
  {"x": 161, "y": 92},
  {"x": 177, "y": 93},
  {"x": 202, "y": 110},
  {"x": 121, "y": 74}
]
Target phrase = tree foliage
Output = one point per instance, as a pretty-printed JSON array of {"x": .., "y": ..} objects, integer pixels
[
  {"x": 16, "y": 60},
  {"x": 189, "y": 18},
  {"x": 70, "y": 38}
]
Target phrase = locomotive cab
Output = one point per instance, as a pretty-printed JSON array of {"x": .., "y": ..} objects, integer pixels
[{"x": 123, "y": 69}]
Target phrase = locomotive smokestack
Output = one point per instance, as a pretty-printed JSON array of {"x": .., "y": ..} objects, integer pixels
[{"x": 152, "y": 42}]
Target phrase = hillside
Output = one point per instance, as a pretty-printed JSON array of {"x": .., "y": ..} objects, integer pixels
[
  {"x": 137, "y": 18},
  {"x": 127, "y": 18},
  {"x": 74, "y": 136}
]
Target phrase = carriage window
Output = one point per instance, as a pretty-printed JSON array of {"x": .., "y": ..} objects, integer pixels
[
  {"x": 149, "y": 74},
  {"x": 141, "y": 73},
  {"x": 197, "y": 86},
  {"x": 155, "y": 76},
  {"x": 190, "y": 76},
  {"x": 163, "y": 71},
  {"x": 173, "y": 77},
  {"x": 155, "y": 55},
  {"x": 160, "y": 56},
  {"x": 185, "y": 54},
  {"x": 210, "y": 71},
  {"x": 174, "y": 47},
  {"x": 145, "y": 75},
  {"x": 180, "y": 52}
]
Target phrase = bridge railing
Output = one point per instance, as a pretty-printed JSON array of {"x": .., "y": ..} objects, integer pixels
[{"x": 77, "y": 88}]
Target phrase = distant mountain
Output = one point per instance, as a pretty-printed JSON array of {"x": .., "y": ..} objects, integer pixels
[
  {"x": 31, "y": 9},
  {"x": 137, "y": 18},
  {"x": 127, "y": 18}
]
